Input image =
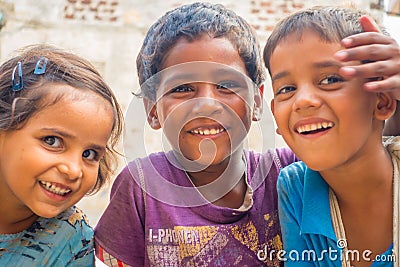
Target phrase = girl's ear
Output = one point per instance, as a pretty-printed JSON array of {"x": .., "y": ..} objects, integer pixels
[
  {"x": 258, "y": 104},
  {"x": 385, "y": 106},
  {"x": 152, "y": 116}
]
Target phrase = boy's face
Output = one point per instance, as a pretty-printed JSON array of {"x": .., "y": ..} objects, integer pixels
[
  {"x": 205, "y": 100},
  {"x": 324, "y": 119}
]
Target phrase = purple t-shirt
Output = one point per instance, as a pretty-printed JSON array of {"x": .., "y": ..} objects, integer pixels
[{"x": 162, "y": 226}]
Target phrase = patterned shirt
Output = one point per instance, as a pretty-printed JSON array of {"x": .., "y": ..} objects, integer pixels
[{"x": 65, "y": 240}]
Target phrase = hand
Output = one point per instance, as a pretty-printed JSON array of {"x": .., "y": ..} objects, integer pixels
[{"x": 383, "y": 54}]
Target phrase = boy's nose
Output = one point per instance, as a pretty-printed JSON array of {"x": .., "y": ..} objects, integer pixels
[
  {"x": 306, "y": 98},
  {"x": 207, "y": 101}
]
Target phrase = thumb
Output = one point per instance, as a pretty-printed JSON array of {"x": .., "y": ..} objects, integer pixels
[{"x": 368, "y": 24}]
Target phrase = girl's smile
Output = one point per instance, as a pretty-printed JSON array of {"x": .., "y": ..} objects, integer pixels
[{"x": 52, "y": 161}]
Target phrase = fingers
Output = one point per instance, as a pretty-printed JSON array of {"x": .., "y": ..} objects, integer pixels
[
  {"x": 366, "y": 38},
  {"x": 380, "y": 55},
  {"x": 371, "y": 70},
  {"x": 390, "y": 84},
  {"x": 372, "y": 52},
  {"x": 368, "y": 24}
]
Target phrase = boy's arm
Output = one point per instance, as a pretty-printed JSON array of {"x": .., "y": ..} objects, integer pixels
[
  {"x": 293, "y": 243},
  {"x": 120, "y": 230},
  {"x": 108, "y": 259}
]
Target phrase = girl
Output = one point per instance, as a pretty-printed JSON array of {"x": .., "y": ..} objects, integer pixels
[{"x": 50, "y": 155}]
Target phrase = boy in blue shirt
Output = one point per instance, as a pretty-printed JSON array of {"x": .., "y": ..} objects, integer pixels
[{"x": 347, "y": 177}]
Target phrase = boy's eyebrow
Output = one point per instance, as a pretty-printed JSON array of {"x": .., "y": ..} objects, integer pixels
[
  {"x": 327, "y": 64},
  {"x": 322, "y": 64},
  {"x": 180, "y": 77},
  {"x": 202, "y": 76},
  {"x": 279, "y": 75}
]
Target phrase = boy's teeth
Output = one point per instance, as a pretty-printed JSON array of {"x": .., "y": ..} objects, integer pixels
[
  {"x": 314, "y": 126},
  {"x": 54, "y": 189},
  {"x": 208, "y": 131}
]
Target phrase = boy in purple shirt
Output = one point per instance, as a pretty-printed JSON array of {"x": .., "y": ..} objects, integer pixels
[{"x": 208, "y": 202}]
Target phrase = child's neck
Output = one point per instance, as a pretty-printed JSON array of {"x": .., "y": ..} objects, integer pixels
[
  {"x": 13, "y": 224},
  {"x": 228, "y": 181},
  {"x": 15, "y": 217},
  {"x": 365, "y": 195},
  {"x": 363, "y": 180}
]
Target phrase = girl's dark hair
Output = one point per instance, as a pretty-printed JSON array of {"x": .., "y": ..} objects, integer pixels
[
  {"x": 193, "y": 21},
  {"x": 18, "y": 106}
]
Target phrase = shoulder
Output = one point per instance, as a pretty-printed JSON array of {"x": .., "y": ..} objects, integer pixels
[
  {"x": 130, "y": 176},
  {"x": 292, "y": 177},
  {"x": 76, "y": 221},
  {"x": 284, "y": 155}
]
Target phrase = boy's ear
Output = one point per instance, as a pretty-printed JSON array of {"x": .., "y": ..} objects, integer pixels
[
  {"x": 273, "y": 113},
  {"x": 258, "y": 104},
  {"x": 152, "y": 116},
  {"x": 385, "y": 106}
]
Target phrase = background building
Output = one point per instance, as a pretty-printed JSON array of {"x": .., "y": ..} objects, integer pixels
[{"x": 109, "y": 33}]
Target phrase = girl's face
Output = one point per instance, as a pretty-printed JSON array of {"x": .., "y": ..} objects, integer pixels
[
  {"x": 326, "y": 120},
  {"x": 204, "y": 102},
  {"x": 53, "y": 160}
]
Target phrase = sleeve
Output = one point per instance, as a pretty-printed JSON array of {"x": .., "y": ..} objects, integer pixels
[
  {"x": 290, "y": 210},
  {"x": 81, "y": 244},
  {"x": 286, "y": 156},
  {"x": 120, "y": 230}
]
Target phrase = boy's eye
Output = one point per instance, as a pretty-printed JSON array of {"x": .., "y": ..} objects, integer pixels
[
  {"x": 331, "y": 79},
  {"x": 89, "y": 154},
  {"x": 285, "y": 90},
  {"x": 182, "y": 89},
  {"x": 52, "y": 141},
  {"x": 227, "y": 85}
]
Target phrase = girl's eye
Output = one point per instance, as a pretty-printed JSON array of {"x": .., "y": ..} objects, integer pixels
[
  {"x": 285, "y": 90},
  {"x": 331, "y": 79},
  {"x": 52, "y": 141},
  {"x": 89, "y": 154}
]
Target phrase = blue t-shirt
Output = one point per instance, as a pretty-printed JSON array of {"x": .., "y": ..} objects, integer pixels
[
  {"x": 304, "y": 212},
  {"x": 65, "y": 240}
]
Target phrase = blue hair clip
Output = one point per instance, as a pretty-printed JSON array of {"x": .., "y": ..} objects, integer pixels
[
  {"x": 17, "y": 85},
  {"x": 41, "y": 66}
]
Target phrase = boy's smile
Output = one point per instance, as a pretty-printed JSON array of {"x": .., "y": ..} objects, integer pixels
[
  {"x": 204, "y": 101},
  {"x": 316, "y": 110}
]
